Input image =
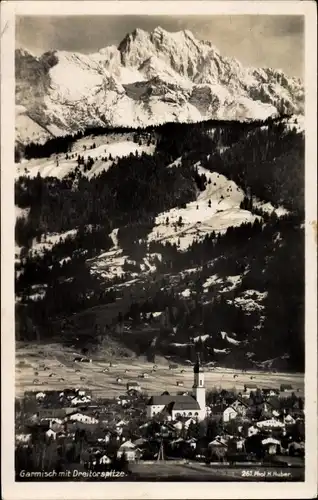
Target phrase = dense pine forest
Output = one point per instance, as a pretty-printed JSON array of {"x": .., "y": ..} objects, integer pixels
[{"x": 264, "y": 158}]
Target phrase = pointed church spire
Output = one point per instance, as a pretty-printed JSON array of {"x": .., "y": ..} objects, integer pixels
[
  {"x": 198, "y": 385},
  {"x": 197, "y": 367}
]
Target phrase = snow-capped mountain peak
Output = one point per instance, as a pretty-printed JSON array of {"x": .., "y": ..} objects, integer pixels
[{"x": 149, "y": 78}]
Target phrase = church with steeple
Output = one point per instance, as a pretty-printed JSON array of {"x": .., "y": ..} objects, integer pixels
[
  {"x": 174, "y": 406},
  {"x": 198, "y": 385}
]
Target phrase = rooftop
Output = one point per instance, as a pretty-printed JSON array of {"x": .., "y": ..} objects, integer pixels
[
  {"x": 166, "y": 399},
  {"x": 185, "y": 405}
]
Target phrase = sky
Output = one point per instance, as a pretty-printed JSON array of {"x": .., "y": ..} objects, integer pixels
[{"x": 275, "y": 41}]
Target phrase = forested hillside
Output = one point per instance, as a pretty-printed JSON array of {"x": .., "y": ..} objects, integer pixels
[{"x": 234, "y": 289}]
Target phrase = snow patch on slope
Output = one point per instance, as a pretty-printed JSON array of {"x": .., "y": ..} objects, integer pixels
[
  {"x": 250, "y": 300},
  {"x": 58, "y": 166},
  {"x": 21, "y": 212},
  {"x": 110, "y": 264},
  {"x": 216, "y": 209},
  {"x": 49, "y": 240}
]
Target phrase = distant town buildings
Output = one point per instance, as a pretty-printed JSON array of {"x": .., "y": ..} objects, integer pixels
[{"x": 202, "y": 425}]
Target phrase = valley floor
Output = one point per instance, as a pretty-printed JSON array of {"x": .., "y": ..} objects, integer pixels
[{"x": 62, "y": 372}]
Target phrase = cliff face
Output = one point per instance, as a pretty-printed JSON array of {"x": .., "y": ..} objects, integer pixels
[{"x": 150, "y": 78}]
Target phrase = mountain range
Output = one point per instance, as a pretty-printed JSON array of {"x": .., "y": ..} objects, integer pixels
[{"x": 149, "y": 79}]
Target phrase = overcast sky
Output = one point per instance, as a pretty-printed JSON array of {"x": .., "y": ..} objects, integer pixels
[{"x": 259, "y": 40}]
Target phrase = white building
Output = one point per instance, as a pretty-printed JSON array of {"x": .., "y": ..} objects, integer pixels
[
  {"x": 175, "y": 406},
  {"x": 271, "y": 423},
  {"x": 80, "y": 400},
  {"x": 288, "y": 419},
  {"x": 104, "y": 460},
  {"x": 252, "y": 431},
  {"x": 272, "y": 445},
  {"x": 23, "y": 438},
  {"x": 40, "y": 395},
  {"x": 130, "y": 451},
  {"x": 133, "y": 386},
  {"x": 229, "y": 414},
  {"x": 50, "y": 434},
  {"x": 84, "y": 419}
]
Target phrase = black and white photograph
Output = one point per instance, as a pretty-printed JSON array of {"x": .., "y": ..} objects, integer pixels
[{"x": 159, "y": 202}]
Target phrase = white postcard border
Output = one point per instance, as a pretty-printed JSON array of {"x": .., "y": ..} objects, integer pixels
[{"x": 136, "y": 490}]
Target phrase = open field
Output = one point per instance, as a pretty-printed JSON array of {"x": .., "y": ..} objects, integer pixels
[{"x": 62, "y": 372}]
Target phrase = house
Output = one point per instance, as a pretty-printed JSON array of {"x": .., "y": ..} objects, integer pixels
[
  {"x": 188, "y": 422},
  {"x": 179, "y": 383},
  {"x": 145, "y": 375},
  {"x": 271, "y": 445},
  {"x": 141, "y": 444},
  {"x": 269, "y": 392},
  {"x": 252, "y": 430},
  {"x": 237, "y": 409},
  {"x": 270, "y": 407},
  {"x": 229, "y": 414},
  {"x": 50, "y": 434},
  {"x": 85, "y": 419},
  {"x": 218, "y": 448},
  {"x": 104, "y": 439},
  {"x": 53, "y": 423},
  {"x": 130, "y": 451},
  {"x": 250, "y": 386},
  {"x": 23, "y": 438},
  {"x": 240, "y": 444},
  {"x": 289, "y": 420},
  {"x": 81, "y": 392},
  {"x": 78, "y": 400},
  {"x": 104, "y": 460},
  {"x": 80, "y": 359},
  {"x": 192, "y": 443},
  {"x": 218, "y": 441},
  {"x": 133, "y": 386},
  {"x": 178, "y": 426},
  {"x": 121, "y": 424},
  {"x": 271, "y": 423},
  {"x": 40, "y": 396},
  {"x": 286, "y": 387},
  {"x": 240, "y": 406},
  {"x": 119, "y": 380},
  {"x": 68, "y": 393}
]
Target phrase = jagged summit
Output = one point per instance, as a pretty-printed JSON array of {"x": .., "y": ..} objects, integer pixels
[{"x": 150, "y": 78}]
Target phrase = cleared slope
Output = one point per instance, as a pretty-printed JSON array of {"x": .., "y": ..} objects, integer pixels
[
  {"x": 215, "y": 209},
  {"x": 58, "y": 166}
]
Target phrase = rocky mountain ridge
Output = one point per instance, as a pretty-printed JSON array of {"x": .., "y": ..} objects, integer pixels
[{"x": 150, "y": 78}]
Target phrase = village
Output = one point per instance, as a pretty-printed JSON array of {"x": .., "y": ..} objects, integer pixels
[{"x": 72, "y": 431}]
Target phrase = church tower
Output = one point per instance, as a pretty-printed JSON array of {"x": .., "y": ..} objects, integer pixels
[{"x": 198, "y": 384}]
